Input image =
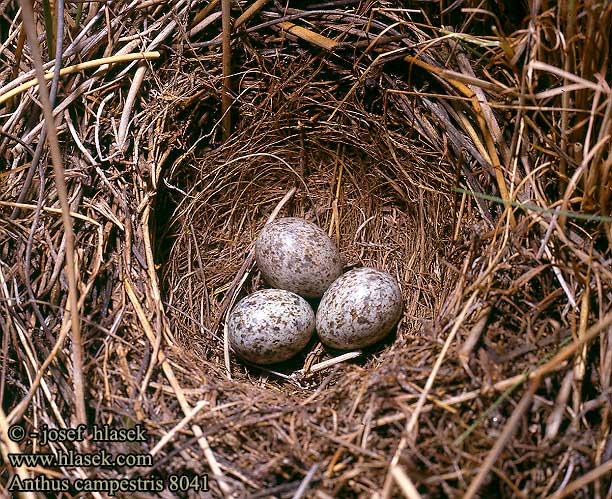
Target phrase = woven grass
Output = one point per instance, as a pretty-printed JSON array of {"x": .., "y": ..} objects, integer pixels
[{"x": 472, "y": 163}]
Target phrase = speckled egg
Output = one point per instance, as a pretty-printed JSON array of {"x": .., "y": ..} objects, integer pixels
[
  {"x": 359, "y": 309},
  {"x": 298, "y": 256},
  {"x": 270, "y": 325}
]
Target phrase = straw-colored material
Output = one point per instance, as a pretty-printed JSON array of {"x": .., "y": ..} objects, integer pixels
[{"x": 465, "y": 147}]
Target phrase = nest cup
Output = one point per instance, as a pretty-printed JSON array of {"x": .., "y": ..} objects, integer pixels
[
  {"x": 376, "y": 190},
  {"x": 370, "y": 201}
]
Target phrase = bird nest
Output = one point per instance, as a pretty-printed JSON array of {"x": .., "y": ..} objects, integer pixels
[{"x": 427, "y": 153}]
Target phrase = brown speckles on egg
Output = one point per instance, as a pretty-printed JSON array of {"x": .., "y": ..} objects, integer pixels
[
  {"x": 298, "y": 256},
  {"x": 359, "y": 309},
  {"x": 270, "y": 325}
]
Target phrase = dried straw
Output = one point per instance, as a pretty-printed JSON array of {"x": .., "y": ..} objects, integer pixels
[{"x": 472, "y": 163}]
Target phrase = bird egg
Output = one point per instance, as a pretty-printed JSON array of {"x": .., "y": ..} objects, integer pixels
[
  {"x": 359, "y": 309},
  {"x": 296, "y": 255},
  {"x": 270, "y": 325}
]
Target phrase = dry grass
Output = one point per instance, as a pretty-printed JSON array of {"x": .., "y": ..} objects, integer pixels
[{"x": 472, "y": 163}]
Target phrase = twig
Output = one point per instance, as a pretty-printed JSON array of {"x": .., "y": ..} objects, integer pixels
[
  {"x": 182, "y": 423},
  {"x": 250, "y": 12},
  {"x": 128, "y": 105},
  {"x": 226, "y": 98},
  {"x": 404, "y": 482},
  {"x": 76, "y": 68},
  {"x": 309, "y": 35},
  {"x": 332, "y": 362},
  {"x": 584, "y": 480},
  {"x": 299, "y": 493}
]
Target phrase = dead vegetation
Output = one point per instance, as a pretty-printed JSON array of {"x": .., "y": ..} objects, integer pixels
[{"x": 472, "y": 162}]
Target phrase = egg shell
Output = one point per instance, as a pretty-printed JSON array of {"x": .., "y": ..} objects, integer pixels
[
  {"x": 359, "y": 309},
  {"x": 270, "y": 325},
  {"x": 296, "y": 255}
]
